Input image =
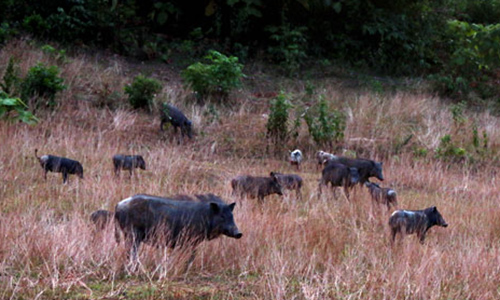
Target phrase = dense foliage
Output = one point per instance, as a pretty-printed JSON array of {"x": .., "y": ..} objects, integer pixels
[{"x": 445, "y": 38}]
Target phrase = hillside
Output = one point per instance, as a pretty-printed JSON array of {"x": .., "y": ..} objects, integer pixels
[{"x": 318, "y": 248}]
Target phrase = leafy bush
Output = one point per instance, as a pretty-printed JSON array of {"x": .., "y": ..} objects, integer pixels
[
  {"x": 326, "y": 126},
  {"x": 218, "y": 77},
  {"x": 142, "y": 91},
  {"x": 10, "y": 78},
  {"x": 42, "y": 83},
  {"x": 277, "y": 124},
  {"x": 473, "y": 60},
  {"x": 15, "y": 109},
  {"x": 290, "y": 48}
]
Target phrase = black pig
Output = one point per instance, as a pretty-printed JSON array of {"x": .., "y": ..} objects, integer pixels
[
  {"x": 381, "y": 195},
  {"x": 289, "y": 182},
  {"x": 172, "y": 115},
  {"x": 60, "y": 165},
  {"x": 415, "y": 221},
  {"x": 366, "y": 168},
  {"x": 256, "y": 187},
  {"x": 339, "y": 175},
  {"x": 177, "y": 221},
  {"x": 128, "y": 162}
]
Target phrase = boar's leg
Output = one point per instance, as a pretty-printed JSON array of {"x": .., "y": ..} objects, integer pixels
[
  {"x": 45, "y": 173},
  {"x": 132, "y": 242},
  {"x": 421, "y": 235},
  {"x": 65, "y": 176},
  {"x": 394, "y": 231},
  {"x": 298, "y": 194}
]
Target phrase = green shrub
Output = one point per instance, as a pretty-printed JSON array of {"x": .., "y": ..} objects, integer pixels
[
  {"x": 277, "y": 124},
  {"x": 36, "y": 25},
  {"x": 41, "y": 85},
  {"x": 15, "y": 109},
  {"x": 142, "y": 91},
  {"x": 11, "y": 79},
  {"x": 290, "y": 46},
  {"x": 326, "y": 126},
  {"x": 447, "y": 150},
  {"x": 216, "y": 78}
]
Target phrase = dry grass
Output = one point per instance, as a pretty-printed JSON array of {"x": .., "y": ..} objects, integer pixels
[{"x": 314, "y": 249}]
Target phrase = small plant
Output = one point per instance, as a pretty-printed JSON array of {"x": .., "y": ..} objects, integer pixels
[
  {"x": 10, "y": 78},
  {"x": 42, "y": 83},
  {"x": 277, "y": 124},
  {"x": 457, "y": 112},
  {"x": 142, "y": 91},
  {"x": 218, "y": 77},
  {"x": 15, "y": 109},
  {"x": 326, "y": 126},
  {"x": 449, "y": 151},
  {"x": 59, "y": 55}
]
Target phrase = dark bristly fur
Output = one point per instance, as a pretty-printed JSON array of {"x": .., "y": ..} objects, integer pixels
[
  {"x": 415, "y": 221},
  {"x": 366, "y": 168},
  {"x": 381, "y": 195},
  {"x": 172, "y": 115},
  {"x": 289, "y": 182},
  {"x": 339, "y": 175},
  {"x": 256, "y": 187},
  {"x": 60, "y": 165},
  {"x": 175, "y": 221},
  {"x": 128, "y": 162}
]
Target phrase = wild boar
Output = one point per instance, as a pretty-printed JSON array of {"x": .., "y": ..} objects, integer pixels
[
  {"x": 101, "y": 218},
  {"x": 60, "y": 165},
  {"x": 415, "y": 221},
  {"x": 172, "y": 115},
  {"x": 366, "y": 168},
  {"x": 175, "y": 221},
  {"x": 339, "y": 175},
  {"x": 296, "y": 158},
  {"x": 128, "y": 162},
  {"x": 289, "y": 182},
  {"x": 381, "y": 195},
  {"x": 256, "y": 187},
  {"x": 324, "y": 157}
]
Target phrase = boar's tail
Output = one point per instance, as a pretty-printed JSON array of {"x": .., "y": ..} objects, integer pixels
[{"x": 36, "y": 152}]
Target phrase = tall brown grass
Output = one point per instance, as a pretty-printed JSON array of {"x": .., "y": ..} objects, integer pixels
[{"x": 318, "y": 248}]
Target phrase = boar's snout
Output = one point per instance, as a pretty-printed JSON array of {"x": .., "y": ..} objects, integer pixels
[
  {"x": 234, "y": 233},
  {"x": 445, "y": 225}
]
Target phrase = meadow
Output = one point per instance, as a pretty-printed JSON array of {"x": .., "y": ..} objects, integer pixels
[{"x": 317, "y": 248}]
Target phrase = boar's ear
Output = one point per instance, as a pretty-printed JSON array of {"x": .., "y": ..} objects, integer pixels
[
  {"x": 232, "y": 205},
  {"x": 272, "y": 174},
  {"x": 214, "y": 207},
  {"x": 434, "y": 209}
]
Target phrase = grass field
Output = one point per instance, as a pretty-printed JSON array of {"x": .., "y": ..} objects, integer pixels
[{"x": 317, "y": 248}]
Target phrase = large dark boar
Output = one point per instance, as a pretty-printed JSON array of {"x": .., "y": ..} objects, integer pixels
[
  {"x": 60, "y": 165},
  {"x": 415, "y": 221},
  {"x": 339, "y": 175},
  {"x": 172, "y": 115},
  {"x": 366, "y": 168},
  {"x": 177, "y": 221},
  {"x": 289, "y": 182},
  {"x": 101, "y": 218},
  {"x": 256, "y": 187},
  {"x": 128, "y": 162},
  {"x": 381, "y": 195}
]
